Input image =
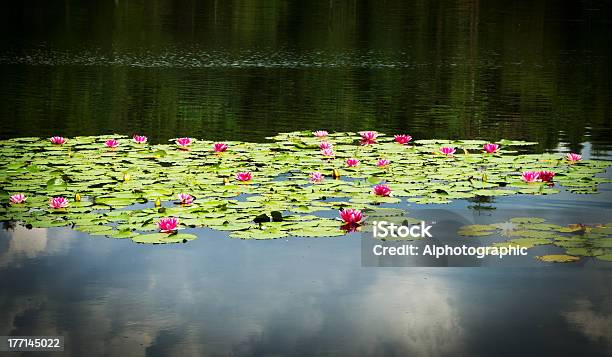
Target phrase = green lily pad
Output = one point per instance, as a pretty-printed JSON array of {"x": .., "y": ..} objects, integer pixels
[
  {"x": 530, "y": 242},
  {"x": 125, "y": 191},
  {"x": 558, "y": 258},
  {"x": 526, "y": 220},
  {"x": 163, "y": 238},
  {"x": 605, "y": 257},
  {"x": 477, "y": 230}
]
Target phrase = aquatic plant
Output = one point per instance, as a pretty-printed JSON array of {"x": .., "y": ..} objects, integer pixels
[
  {"x": 447, "y": 150},
  {"x": 320, "y": 133},
  {"x": 324, "y": 145},
  {"x": 58, "y": 202},
  {"x": 382, "y": 190},
  {"x": 531, "y": 176},
  {"x": 577, "y": 239},
  {"x": 402, "y": 139},
  {"x": 315, "y": 177},
  {"x": 139, "y": 139},
  {"x": 183, "y": 143},
  {"x": 244, "y": 176},
  {"x": 351, "y": 215},
  {"x": 18, "y": 198},
  {"x": 573, "y": 157},
  {"x": 185, "y": 198},
  {"x": 124, "y": 192},
  {"x": 352, "y": 162},
  {"x": 546, "y": 176},
  {"x": 368, "y": 137},
  {"x": 382, "y": 162},
  {"x": 220, "y": 147},
  {"x": 490, "y": 148},
  {"x": 57, "y": 140},
  {"x": 111, "y": 143},
  {"x": 168, "y": 225},
  {"x": 327, "y": 152}
]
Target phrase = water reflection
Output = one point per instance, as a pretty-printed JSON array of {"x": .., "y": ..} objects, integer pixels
[
  {"x": 28, "y": 244},
  {"x": 221, "y": 296},
  {"x": 246, "y": 70},
  {"x": 595, "y": 324}
]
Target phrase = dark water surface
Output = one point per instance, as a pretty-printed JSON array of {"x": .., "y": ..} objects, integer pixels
[
  {"x": 248, "y": 69},
  {"x": 244, "y": 70}
]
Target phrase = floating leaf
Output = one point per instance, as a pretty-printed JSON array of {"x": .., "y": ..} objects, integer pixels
[
  {"x": 163, "y": 238},
  {"x": 119, "y": 188},
  {"x": 558, "y": 258},
  {"x": 605, "y": 257},
  {"x": 529, "y": 242},
  {"x": 477, "y": 230},
  {"x": 525, "y": 220}
]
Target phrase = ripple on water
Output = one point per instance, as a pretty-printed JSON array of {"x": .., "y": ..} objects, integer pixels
[{"x": 200, "y": 58}]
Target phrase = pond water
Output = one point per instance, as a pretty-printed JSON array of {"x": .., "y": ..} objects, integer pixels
[{"x": 245, "y": 70}]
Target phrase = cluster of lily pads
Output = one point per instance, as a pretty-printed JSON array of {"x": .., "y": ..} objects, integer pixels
[
  {"x": 124, "y": 187},
  {"x": 578, "y": 240}
]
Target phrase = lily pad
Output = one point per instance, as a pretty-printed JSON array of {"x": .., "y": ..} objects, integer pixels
[
  {"x": 163, "y": 238},
  {"x": 128, "y": 189},
  {"x": 558, "y": 258}
]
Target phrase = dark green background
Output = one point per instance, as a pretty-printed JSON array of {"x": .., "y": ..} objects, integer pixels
[{"x": 248, "y": 69}]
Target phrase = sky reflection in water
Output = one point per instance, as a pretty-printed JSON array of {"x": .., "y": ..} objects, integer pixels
[{"x": 223, "y": 296}]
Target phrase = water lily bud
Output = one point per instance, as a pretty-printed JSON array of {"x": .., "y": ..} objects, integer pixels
[
  {"x": 77, "y": 197},
  {"x": 226, "y": 181},
  {"x": 126, "y": 177},
  {"x": 336, "y": 173},
  {"x": 157, "y": 202},
  {"x": 484, "y": 177}
]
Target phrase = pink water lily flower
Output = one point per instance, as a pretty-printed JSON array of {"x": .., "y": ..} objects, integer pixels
[
  {"x": 530, "y": 176},
  {"x": 382, "y": 190},
  {"x": 325, "y": 145},
  {"x": 168, "y": 225},
  {"x": 139, "y": 139},
  {"x": 315, "y": 177},
  {"x": 351, "y": 215},
  {"x": 573, "y": 157},
  {"x": 447, "y": 150},
  {"x": 18, "y": 198},
  {"x": 320, "y": 133},
  {"x": 185, "y": 198},
  {"x": 546, "y": 176},
  {"x": 327, "y": 152},
  {"x": 352, "y": 162},
  {"x": 368, "y": 137},
  {"x": 244, "y": 176},
  {"x": 58, "y": 202},
  {"x": 382, "y": 162},
  {"x": 220, "y": 147},
  {"x": 111, "y": 143},
  {"x": 57, "y": 140},
  {"x": 402, "y": 139},
  {"x": 490, "y": 148},
  {"x": 184, "y": 142}
]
